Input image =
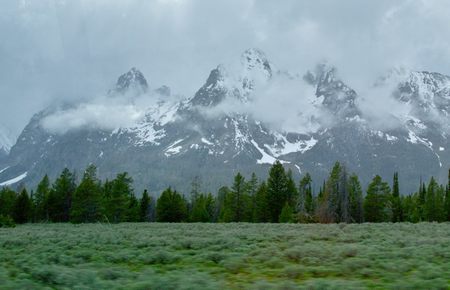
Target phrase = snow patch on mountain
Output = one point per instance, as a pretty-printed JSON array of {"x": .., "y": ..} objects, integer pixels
[
  {"x": 240, "y": 138},
  {"x": 173, "y": 149},
  {"x": 283, "y": 146},
  {"x": 14, "y": 180},
  {"x": 265, "y": 158},
  {"x": 206, "y": 141},
  {"x": 150, "y": 130}
]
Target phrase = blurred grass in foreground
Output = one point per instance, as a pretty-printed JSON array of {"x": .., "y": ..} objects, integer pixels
[{"x": 217, "y": 256}]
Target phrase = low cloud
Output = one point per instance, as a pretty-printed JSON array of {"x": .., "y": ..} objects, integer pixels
[
  {"x": 283, "y": 103},
  {"x": 106, "y": 112},
  {"x": 105, "y": 116},
  {"x": 287, "y": 105},
  {"x": 61, "y": 50}
]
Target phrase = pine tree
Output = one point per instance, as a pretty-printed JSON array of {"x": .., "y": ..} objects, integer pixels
[
  {"x": 252, "y": 188},
  {"x": 356, "y": 199},
  {"x": 87, "y": 201},
  {"x": 118, "y": 197},
  {"x": 329, "y": 203},
  {"x": 132, "y": 210},
  {"x": 421, "y": 201},
  {"x": 343, "y": 208},
  {"x": 196, "y": 185},
  {"x": 261, "y": 212},
  {"x": 144, "y": 207},
  {"x": 377, "y": 205},
  {"x": 397, "y": 214},
  {"x": 61, "y": 196},
  {"x": 335, "y": 201},
  {"x": 41, "y": 200},
  {"x": 23, "y": 208},
  {"x": 236, "y": 201},
  {"x": 220, "y": 211},
  {"x": 440, "y": 205},
  {"x": 203, "y": 209},
  {"x": 286, "y": 215},
  {"x": 434, "y": 202},
  {"x": 321, "y": 194},
  {"x": 171, "y": 207},
  {"x": 252, "y": 185},
  {"x": 409, "y": 208},
  {"x": 291, "y": 189},
  {"x": 277, "y": 191},
  {"x": 305, "y": 201},
  {"x": 7, "y": 201}
]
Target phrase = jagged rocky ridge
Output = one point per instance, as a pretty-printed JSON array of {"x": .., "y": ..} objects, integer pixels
[{"x": 214, "y": 134}]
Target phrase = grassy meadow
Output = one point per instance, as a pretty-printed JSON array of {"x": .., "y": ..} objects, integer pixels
[{"x": 225, "y": 256}]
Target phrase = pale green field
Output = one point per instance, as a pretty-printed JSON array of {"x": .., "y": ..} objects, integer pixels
[{"x": 218, "y": 256}]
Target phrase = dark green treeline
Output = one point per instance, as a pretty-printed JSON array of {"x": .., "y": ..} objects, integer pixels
[{"x": 280, "y": 198}]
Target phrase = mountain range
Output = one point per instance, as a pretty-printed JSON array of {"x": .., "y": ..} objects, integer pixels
[{"x": 243, "y": 119}]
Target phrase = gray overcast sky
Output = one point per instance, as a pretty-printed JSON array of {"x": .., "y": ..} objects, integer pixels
[{"x": 56, "y": 49}]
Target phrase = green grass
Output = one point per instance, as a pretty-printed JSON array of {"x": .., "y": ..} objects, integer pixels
[{"x": 218, "y": 256}]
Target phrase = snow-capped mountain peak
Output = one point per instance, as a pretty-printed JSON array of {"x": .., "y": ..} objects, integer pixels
[
  {"x": 133, "y": 79},
  {"x": 332, "y": 92},
  {"x": 214, "y": 90},
  {"x": 254, "y": 59}
]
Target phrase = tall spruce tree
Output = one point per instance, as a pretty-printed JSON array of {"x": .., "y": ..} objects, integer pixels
[
  {"x": 133, "y": 209},
  {"x": 335, "y": 201},
  {"x": 277, "y": 191},
  {"x": 397, "y": 214},
  {"x": 119, "y": 194},
  {"x": 292, "y": 191},
  {"x": 7, "y": 201},
  {"x": 61, "y": 201},
  {"x": 87, "y": 200},
  {"x": 356, "y": 199},
  {"x": 343, "y": 208},
  {"x": 261, "y": 212},
  {"x": 196, "y": 186},
  {"x": 203, "y": 208},
  {"x": 144, "y": 207},
  {"x": 171, "y": 207},
  {"x": 220, "y": 208},
  {"x": 421, "y": 201},
  {"x": 22, "y": 208},
  {"x": 377, "y": 204},
  {"x": 305, "y": 204},
  {"x": 434, "y": 202},
  {"x": 236, "y": 201},
  {"x": 252, "y": 187},
  {"x": 287, "y": 214},
  {"x": 41, "y": 196}
]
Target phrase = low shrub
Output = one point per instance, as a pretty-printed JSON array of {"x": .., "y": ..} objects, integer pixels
[{"x": 6, "y": 222}]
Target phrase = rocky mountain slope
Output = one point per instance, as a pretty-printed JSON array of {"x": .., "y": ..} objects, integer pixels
[
  {"x": 243, "y": 120},
  {"x": 6, "y": 142}
]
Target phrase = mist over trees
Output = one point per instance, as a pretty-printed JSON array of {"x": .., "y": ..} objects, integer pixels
[{"x": 340, "y": 199}]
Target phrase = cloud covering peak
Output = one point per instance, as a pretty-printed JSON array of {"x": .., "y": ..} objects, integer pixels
[{"x": 66, "y": 50}]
